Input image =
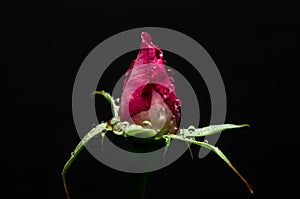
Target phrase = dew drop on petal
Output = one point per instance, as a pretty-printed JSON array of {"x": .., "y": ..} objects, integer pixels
[
  {"x": 171, "y": 87},
  {"x": 146, "y": 124},
  {"x": 162, "y": 113},
  {"x": 166, "y": 94},
  {"x": 158, "y": 115},
  {"x": 206, "y": 141},
  {"x": 177, "y": 102},
  {"x": 173, "y": 117},
  {"x": 170, "y": 72},
  {"x": 171, "y": 79},
  {"x": 171, "y": 122}
]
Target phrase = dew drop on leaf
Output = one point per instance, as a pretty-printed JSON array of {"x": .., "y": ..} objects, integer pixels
[
  {"x": 124, "y": 125},
  {"x": 191, "y": 129}
]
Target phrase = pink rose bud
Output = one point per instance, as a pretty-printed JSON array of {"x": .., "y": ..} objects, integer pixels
[{"x": 148, "y": 94}]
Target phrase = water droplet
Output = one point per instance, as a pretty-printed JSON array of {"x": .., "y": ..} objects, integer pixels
[
  {"x": 181, "y": 132},
  {"x": 171, "y": 87},
  {"x": 124, "y": 125},
  {"x": 72, "y": 154},
  {"x": 114, "y": 120},
  {"x": 154, "y": 67},
  {"x": 206, "y": 141},
  {"x": 171, "y": 122},
  {"x": 173, "y": 117},
  {"x": 162, "y": 113},
  {"x": 175, "y": 128},
  {"x": 166, "y": 93},
  {"x": 170, "y": 72},
  {"x": 177, "y": 102},
  {"x": 191, "y": 129},
  {"x": 165, "y": 61},
  {"x": 146, "y": 124},
  {"x": 117, "y": 101},
  {"x": 158, "y": 116},
  {"x": 118, "y": 131}
]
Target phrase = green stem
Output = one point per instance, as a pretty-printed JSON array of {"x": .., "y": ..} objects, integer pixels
[{"x": 141, "y": 183}]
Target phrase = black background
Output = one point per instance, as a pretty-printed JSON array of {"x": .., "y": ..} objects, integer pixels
[{"x": 254, "y": 46}]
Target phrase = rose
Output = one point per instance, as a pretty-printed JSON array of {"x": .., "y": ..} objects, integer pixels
[
  {"x": 148, "y": 94},
  {"x": 149, "y": 98}
]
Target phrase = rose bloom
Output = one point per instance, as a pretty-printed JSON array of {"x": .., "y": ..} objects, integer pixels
[{"x": 148, "y": 93}]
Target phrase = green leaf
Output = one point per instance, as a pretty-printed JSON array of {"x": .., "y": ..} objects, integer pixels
[
  {"x": 110, "y": 99},
  {"x": 212, "y": 148},
  {"x": 209, "y": 130},
  {"x": 101, "y": 128}
]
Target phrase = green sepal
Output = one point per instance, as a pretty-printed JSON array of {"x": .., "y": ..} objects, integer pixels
[
  {"x": 101, "y": 128},
  {"x": 212, "y": 148}
]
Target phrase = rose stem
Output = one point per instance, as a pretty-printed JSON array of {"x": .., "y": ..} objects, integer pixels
[{"x": 141, "y": 183}]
